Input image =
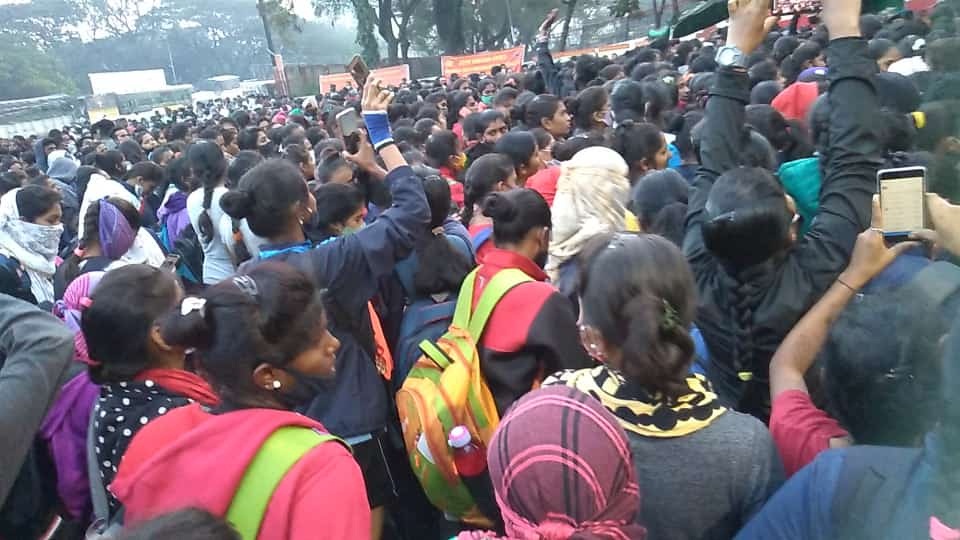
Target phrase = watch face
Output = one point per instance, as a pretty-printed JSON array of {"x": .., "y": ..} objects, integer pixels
[{"x": 728, "y": 56}]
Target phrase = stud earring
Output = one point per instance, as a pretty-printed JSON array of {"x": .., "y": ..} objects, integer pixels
[{"x": 276, "y": 385}]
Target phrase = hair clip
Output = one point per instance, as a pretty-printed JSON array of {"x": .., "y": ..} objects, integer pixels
[
  {"x": 247, "y": 285},
  {"x": 191, "y": 304},
  {"x": 671, "y": 319}
]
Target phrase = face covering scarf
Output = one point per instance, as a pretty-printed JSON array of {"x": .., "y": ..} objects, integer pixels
[
  {"x": 643, "y": 413},
  {"x": 35, "y": 246}
]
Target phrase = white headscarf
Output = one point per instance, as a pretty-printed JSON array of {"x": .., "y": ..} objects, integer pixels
[
  {"x": 592, "y": 194},
  {"x": 35, "y": 246}
]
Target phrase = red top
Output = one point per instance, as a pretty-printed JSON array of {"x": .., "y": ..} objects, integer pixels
[
  {"x": 801, "y": 430},
  {"x": 456, "y": 188},
  {"x": 191, "y": 458},
  {"x": 545, "y": 183}
]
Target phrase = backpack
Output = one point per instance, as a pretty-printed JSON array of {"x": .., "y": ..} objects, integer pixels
[
  {"x": 187, "y": 246},
  {"x": 445, "y": 389},
  {"x": 278, "y": 454},
  {"x": 424, "y": 320}
]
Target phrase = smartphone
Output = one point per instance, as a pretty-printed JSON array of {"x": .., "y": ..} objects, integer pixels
[
  {"x": 902, "y": 201},
  {"x": 349, "y": 122},
  {"x": 359, "y": 70},
  {"x": 170, "y": 262},
  {"x": 790, "y": 7}
]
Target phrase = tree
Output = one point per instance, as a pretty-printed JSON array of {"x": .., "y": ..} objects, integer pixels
[
  {"x": 41, "y": 23},
  {"x": 391, "y": 20},
  {"x": 26, "y": 71},
  {"x": 449, "y": 21}
]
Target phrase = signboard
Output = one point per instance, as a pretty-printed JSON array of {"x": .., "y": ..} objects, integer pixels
[
  {"x": 392, "y": 76},
  {"x": 482, "y": 62},
  {"x": 127, "y": 82}
]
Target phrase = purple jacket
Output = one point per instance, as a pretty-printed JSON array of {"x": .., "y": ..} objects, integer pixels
[{"x": 173, "y": 215}]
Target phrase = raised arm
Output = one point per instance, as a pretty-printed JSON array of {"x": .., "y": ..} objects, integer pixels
[
  {"x": 551, "y": 75},
  {"x": 853, "y": 156},
  {"x": 37, "y": 349},
  {"x": 750, "y": 21}
]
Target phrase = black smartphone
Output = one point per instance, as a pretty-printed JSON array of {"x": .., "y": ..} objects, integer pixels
[
  {"x": 902, "y": 193},
  {"x": 790, "y": 7},
  {"x": 359, "y": 71},
  {"x": 349, "y": 122}
]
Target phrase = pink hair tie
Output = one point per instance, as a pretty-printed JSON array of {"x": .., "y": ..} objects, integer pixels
[
  {"x": 939, "y": 531},
  {"x": 78, "y": 251},
  {"x": 86, "y": 301}
]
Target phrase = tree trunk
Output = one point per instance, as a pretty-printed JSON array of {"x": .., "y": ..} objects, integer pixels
[
  {"x": 658, "y": 9},
  {"x": 449, "y": 22},
  {"x": 267, "y": 34},
  {"x": 676, "y": 11},
  {"x": 565, "y": 33},
  {"x": 385, "y": 29}
]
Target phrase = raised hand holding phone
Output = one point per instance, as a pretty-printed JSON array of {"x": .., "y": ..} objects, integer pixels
[
  {"x": 547, "y": 23},
  {"x": 750, "y": 22},
  {"x": 374, "y": 103}
]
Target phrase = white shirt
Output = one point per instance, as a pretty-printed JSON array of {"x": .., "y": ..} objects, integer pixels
[
  {"x": 145, "y": 249},
  {"x": 217, "y": 264}
]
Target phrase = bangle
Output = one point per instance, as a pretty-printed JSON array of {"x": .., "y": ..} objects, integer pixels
[{"x": 845, "y": 284}]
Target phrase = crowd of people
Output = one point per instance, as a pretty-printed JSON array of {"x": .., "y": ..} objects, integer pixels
[{"x": 641, "y": 297}]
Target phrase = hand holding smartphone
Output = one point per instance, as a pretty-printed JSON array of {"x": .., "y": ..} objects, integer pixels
[
  {"x": 902, "y": 192},
  {"x": 359, "y": 71},
  {"x": 349, "y": 122}
]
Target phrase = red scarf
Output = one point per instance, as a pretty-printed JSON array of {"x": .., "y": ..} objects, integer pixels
[{"x": 184, "y": 383}]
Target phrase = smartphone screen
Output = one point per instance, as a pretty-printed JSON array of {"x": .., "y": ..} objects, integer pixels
[
  {"x": 349, "y": 123},
  {"x": 901, "y": 200},
  {"x": 789, "y": 7},
  {"x": 359, "y": 70}
]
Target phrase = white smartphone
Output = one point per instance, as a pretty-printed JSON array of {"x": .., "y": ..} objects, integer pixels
[{"x": 902, "y": 194}]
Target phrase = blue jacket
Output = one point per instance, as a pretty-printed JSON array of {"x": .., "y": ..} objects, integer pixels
[{"x": 349, "y": 268}]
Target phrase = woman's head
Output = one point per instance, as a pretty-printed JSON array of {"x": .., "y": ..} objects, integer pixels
[
  {"x": 302, "y": 158},
  {"x": 261, "y": 337},
  {"x": 243, "y": 162},
  {"x": 252, "y": 139},
  {"x": 771, "y": 124},
  {"x": 208, "y": 167},
  {"x": 521, "y": 222},
  {"x": 638, "y": 294},
  {"x": 39, "y": 205},
  {"x": 440, "y": 267},
  {"x": 559, "y": 462},
  {"x": 544, "y": 144},
  {"x": 332, "y": 168},
  {"x": 147, "y": 175},
  {"x": 443, "y": 149},
  {"x": 272, "y": 197},
  {"x": 521, "y": 147},
  {"x": 121, "y": 324},
  {"x": 110, "y": 162},
  {"x": 659, "y": 200},
  {"x": 549, "y": 112},
  {"x": 462, "y": 104},
  {"x": 132, "y": 153},
  {"x": 590, "y": 110},
  {"x": 749, "y": 220},
  {"x": 642, "y": 146},
  {"x": 488, "y": 174},
  {"x": 340, "y": 208}
]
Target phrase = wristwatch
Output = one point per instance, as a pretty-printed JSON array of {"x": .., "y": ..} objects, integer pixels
[{"x": 731, "y": 56}]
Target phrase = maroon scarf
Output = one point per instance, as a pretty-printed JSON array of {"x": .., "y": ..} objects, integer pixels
[{"x": 184, "y": 383}]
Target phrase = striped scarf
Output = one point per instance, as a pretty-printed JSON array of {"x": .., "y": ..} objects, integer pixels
[{"x": 640, "y": 412}]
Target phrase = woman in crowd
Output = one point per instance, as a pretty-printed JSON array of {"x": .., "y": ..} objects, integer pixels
[
  {"x": 548, "y": 112},
  {"x": 638, "y": 302},
  {"x": 521, "y": 147},
  {"x": 142, "y": 376},
  {"x": 590, "y": 112},
  {"x": 492, "y": 173},
  {"x": 276, "y": 202},
  {"x": 444, "y": 152},
  {"x": 30, "y": 231},
  {"x": 659, "y": 200},
  {"x": 562, "y": 468},
  {"x": 110, "y": 228},
  {"x": 209, "y": 171},
  {"x": 642, "y": 146},
  {"x": 173, "y": 216},
  {"x": 332, "y": 168},
  {"x": 591, "y": 200},
  {"x": 340, "y": 211},
  {"x": 532, "y": 330},
  {"x": 755, "y": 277},
  {"x": 263, "y": 342}
]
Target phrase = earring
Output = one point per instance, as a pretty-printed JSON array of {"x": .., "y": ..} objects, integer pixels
[{"x": 276, "y": 385}]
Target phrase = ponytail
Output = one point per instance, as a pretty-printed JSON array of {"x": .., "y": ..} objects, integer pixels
[{"x": 210, "y": 167}]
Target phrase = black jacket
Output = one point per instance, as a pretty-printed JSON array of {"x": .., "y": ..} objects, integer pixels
[{"x": 782, "y": 289}]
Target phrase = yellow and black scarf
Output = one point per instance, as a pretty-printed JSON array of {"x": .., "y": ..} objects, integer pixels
[{"x": 639, "y": 411}]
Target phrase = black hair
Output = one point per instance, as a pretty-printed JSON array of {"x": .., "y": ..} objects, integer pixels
[
  {"x": 84, "y": 172},
  {"x": 209, "y": 134},
  {"x": 586, "y": 68},
  {"x": 483, "y": 174},
  {"x": 879, "y": 47},
  {"x": 296, "y": 154},
  {"x": 540, "y": 108},
  {"x": 483, "y": 120},
  {"x": 265, "y": 197},
  {"x": 179, "y": 131},
  {"x": 659, "y": 201},
  {"x": 456, "y": 100},
  {"x": 636, "y": 141},
  {"x": 587, "y": 103},
  {"x": 247, "y": 138},
  {"x": 188, "y": 524},
  {"x": 515, "y": 213},
  {"x": 428, "y": 112},
  {"x": 505, "y": 96},
  {"x": 316, "y": 134},
  {"x": 881, "y": 369},
  {"x": 519, "y": 146},
  {"x": 565, "y": 150},
  {"x": 944, "y": 54},
  {"x": 147, "y": 170},
  {"x": 543, "y": 137},
  {"x": 638, "y": 292},
  {"x": 125, "y": 306},
  {"x": 336, "y": 203},
  {"x": 110, "y": 162},
  {"x": 330, "y": 160},
  {"x": 440, "y": 146},
  {"x": 271, "y": 316},
  {"x": 209, "y": 170},
  {"x": 243, "y": 162},
  {"x": 132, "y": 151},
  {"x": 762, "y": 72},
  {"x": 424, "y": 127},
  {"x": 629, "y": 99},
  {"x": 440, "y": 267},
  {"x": 33, "y": 201},
  {"x": 784, "y": 47},
  {"x": 684, "y": 141}
]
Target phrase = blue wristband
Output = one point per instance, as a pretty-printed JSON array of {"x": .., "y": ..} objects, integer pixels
[{"x": 378, "y": 128}]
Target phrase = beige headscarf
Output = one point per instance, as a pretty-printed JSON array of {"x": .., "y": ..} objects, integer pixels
[{"x": 592, "y": 195}]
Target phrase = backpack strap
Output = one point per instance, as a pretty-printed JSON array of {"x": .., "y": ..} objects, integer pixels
[
  {"x": 98, "y": 493},
  {"x": 482, "y": 236},
  {"x": 474, "y": 318},
  {"x": 279, "y": 453},
  {"x": 870, "y": 489}
]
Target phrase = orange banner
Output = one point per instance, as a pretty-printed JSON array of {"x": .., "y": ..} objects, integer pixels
[
  {"x": 393, "y": 76},
  {"x": 482, "y": 62}
]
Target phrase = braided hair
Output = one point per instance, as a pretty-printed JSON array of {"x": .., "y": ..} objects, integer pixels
[{"x": 210, "y": 168}]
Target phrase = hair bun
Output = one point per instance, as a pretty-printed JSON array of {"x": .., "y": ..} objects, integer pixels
[
  {"x": 499, "y": 208},
  {"x": 237, "y": 203}
]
